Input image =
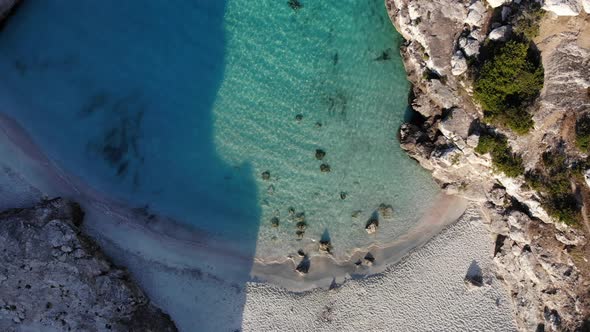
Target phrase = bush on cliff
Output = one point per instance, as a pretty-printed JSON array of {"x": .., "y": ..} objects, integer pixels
[
  {"x": 503, "y": 159},
  {"x": 583, "y": 133},
  {"x": 526, "y": 23},
  {"x": 507, "y": 82},
  {"x": 553, "y": 180}
]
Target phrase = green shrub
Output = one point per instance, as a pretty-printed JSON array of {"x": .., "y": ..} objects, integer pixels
[
  {"x": 509, "y": 80},
  {"x": 526, "y": 23},
  {"x": 583, "y": 133},
  {"x": 553, "y": 182},
  {"x": 503, "y": 159}
]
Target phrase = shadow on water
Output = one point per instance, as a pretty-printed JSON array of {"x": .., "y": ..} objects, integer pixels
[{"x": 120, "y": 93}]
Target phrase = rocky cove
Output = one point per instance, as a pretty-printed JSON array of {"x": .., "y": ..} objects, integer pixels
[{"x": 542, "y": 261}]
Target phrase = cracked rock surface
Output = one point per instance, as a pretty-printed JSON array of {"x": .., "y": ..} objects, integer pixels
[{"x": 53, "y": 278}]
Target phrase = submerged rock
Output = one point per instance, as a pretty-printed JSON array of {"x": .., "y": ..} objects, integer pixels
[
  {"x": 386, "y": 211},
  {"x": 320, "y": 154},
  {"x": 298, "y": 117},
  {"x": 274, "y": 222},
  {"x": 343, "y": 195},
  {"x": 295, "y": 4},
  {"x": 265, "y": 175},
  {"x": 65, "y": 276},
  {"x": 325, "y": 168},
  {"x": 300, "y": 217},
  {"x": 301, "y": 225}
]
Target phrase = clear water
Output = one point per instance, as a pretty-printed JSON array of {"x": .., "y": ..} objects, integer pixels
[
  {"x": 326, "y": 63},
  {"x": 181, "y": 108}
]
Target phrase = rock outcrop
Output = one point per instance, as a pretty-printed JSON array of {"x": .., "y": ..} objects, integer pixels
[
  {"x": 543, "y": 263},
  {"x": 53, "y": 278}
]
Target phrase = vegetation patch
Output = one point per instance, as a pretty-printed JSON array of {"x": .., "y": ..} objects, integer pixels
[
  {"x": 583, "y": 133},
  {"x": 503, "y": 159},
  {"x": 553, "y": 181},
  {"x": 526, "y": 23},
  {"x": 509, "y": 80}
]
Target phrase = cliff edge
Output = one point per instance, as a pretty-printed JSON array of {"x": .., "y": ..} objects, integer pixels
[
  {"x": 542, "y": 260},
  {"x": 52, "y": 277}
]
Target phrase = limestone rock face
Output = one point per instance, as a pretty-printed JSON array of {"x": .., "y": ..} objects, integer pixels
[
  {"x": 53, "y": 278},
  {"x": 430, "y": 27},
  {"x": 537, "y": 272},
  {"x": 563, "y": 7},
  {"x": 544, "y": 264},
  {"x": 456, "y": 123}
]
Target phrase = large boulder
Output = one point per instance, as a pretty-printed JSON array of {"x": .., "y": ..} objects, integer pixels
[
  {"x": 476, "y": 14},
  {"x": 458, "y": 63},
  {"x": 501, "y": 33},
  {"x": 586, "y": 6},
  {"x": 469, "y": 45},
  {"x": 564, "y": 7}
]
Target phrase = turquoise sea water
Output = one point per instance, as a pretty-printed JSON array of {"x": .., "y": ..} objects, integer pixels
[
  {"x": 180, "y": 108},
  {"x": 337, "y": 65}
]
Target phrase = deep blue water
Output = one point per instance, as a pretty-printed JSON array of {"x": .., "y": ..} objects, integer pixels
[{"x": 120, "y": 94}]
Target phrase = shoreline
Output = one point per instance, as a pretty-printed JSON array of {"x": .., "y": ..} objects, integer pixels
[
  {"x": 174, "y": 237},
  {"x": 326, "y": 270},
  {"x": 425, "y": 291}
]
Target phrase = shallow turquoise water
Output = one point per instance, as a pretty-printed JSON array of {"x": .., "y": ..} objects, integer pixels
[
  {"x": 337, "y": 64},
  {"x": 181, "y": 108}
]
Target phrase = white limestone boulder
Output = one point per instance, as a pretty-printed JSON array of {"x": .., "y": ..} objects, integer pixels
[
  {"x": 458, "y": 63},
  {"x": 476, "y": 14},
  {"x": 564, "y": 7},
  {"x": 497, "y": 3},
  {"x": 501, "y": 33}
]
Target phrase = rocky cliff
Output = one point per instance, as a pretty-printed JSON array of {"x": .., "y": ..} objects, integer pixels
[
  {"x": 53, "y": 278},
  {"x": 543, "y": 262}
]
